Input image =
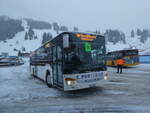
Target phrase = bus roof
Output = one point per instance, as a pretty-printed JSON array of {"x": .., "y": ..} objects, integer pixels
[
  {"x": 74, "y": 33},
  {"x": 86, "y": 33},
  {"x": 123, "y": 50},
  {"x": 69, "y": 33}
]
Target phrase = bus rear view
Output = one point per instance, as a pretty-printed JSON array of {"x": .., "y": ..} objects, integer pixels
[{"x": 71, "y": 61}]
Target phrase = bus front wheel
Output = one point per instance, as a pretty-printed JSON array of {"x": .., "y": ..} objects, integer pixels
[{"x": 48, "y": 79}]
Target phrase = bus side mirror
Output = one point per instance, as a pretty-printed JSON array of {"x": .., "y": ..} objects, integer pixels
[{"x": 65, "y": 41}]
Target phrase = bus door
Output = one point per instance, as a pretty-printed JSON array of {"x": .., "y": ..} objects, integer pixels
[{"x": 57, "y": 66}]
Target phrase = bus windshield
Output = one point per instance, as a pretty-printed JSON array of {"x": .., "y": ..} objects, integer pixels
[
  {"x": 84, "y": 56},
  {"x": 130, "y": 52}
]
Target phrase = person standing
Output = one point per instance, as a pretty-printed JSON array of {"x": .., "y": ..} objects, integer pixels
[{"x": 120, "y": 62}]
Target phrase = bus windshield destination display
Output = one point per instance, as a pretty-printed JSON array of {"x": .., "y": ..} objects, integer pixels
[{"x": 86, "y": 37}]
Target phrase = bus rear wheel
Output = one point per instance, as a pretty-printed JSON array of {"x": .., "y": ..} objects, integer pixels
[{"x": 48, "y": 80}]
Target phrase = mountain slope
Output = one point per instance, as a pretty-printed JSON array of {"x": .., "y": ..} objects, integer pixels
[
  {"x": 17, "y": 43},
  {"x": 131, "y": 43}
]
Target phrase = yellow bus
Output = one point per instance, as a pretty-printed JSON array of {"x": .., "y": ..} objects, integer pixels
[{"x": 131, "y": 57}]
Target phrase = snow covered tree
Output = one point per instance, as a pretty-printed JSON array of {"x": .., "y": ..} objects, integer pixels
[
  {"x": 30, "y": 33},
  {"x": 23, "y": 49},
  {"x": 19, "y": 53},
  {"x": 144, "y": 35},
  {"x": 17, "y": 42},
  {"x": 63, "y": 28},
  {"x": 142, "y": 39},
  {"x": 123, "y": 38},
  {"x": 56, "y": 27},
  {"x": 132, "y": 34},
  {"x": 114, "y": 36},
  {"x": 26, "y": 36},
  {"x": 138, "y": 32},
  {"x": 97, "y": 32},
  {"x": 35, "y": 37},
  {"x": 44, "y": 38},
  {"x": 49, "y": 36},
  {"x": 15, "y": 49},
  {"x": 75, "y": 29},
  {"x": 5, "y": 41}
]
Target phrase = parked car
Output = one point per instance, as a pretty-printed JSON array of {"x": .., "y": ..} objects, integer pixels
[
  {"x": 11, "y": 60},
  {"x": 4, "y": 62}
]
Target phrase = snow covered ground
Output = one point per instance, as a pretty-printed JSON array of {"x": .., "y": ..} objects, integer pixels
[
  {"x": 123, "y": 93},
  {"x": 17, "y": 85}
]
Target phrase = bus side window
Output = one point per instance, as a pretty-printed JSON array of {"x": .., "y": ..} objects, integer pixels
[
  {"x": 59, "y": 51},
  {"x": 49, "y": 53}
]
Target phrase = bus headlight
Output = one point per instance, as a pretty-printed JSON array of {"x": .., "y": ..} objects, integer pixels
[{"x": 70, "y": 81}]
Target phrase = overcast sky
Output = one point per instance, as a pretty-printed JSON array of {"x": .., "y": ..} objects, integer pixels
[{"x": 86, "y": 14}]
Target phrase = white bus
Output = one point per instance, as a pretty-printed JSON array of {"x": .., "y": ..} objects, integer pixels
[{"x": 71, "y": 61}]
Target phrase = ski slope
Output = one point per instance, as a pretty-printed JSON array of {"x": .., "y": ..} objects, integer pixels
[{"x": 18, "y": 42}]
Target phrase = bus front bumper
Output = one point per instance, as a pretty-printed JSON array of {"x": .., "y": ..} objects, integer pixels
[{"x": 86, "y": 80}]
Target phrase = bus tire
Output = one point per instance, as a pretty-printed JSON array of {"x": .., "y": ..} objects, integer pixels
[{"x": 48, "y": 79}]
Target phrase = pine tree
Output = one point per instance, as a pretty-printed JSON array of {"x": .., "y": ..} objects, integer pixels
[
  {"x": 138, "y": 32},
  {"x": 19, "y": 53},
  {"x": 44, "y": 38},
  {"x": 142, "y": 39},
  {"x": 75, "y": 29},
  {"x": 31, "y": 33},
  {"x": 123, "y": 37},
  {"x": 63, "y": 28},
  {"x": 114, "y": 36},
  {"x": 15, "y": 49},
  {"x": 132, "y": 34},
  {"x": 17, "y": 42},
  {"x": 97, "y": 32},
  {"x": 5, "y": 41},
  {"x": 26, "y": 36},
  {"x": 49, "y": 36},
  {"x": 35, "y": 37},
  {"x": 23, "y": 49},
  {"x": 144, "y": 35},
  {"x": 56, "y": 27}
]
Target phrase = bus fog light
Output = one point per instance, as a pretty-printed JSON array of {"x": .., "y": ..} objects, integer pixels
[
  {"x": 70, "y": 81},
  {"x": 106, "y": 76}
]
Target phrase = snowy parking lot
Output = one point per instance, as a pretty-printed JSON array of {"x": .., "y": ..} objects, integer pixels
[{"x": 122, "y": 93}]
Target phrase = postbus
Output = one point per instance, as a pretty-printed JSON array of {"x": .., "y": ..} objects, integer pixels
[
  {"x": 71, "y": 61},
  {"x": 130, "y": 56}
]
